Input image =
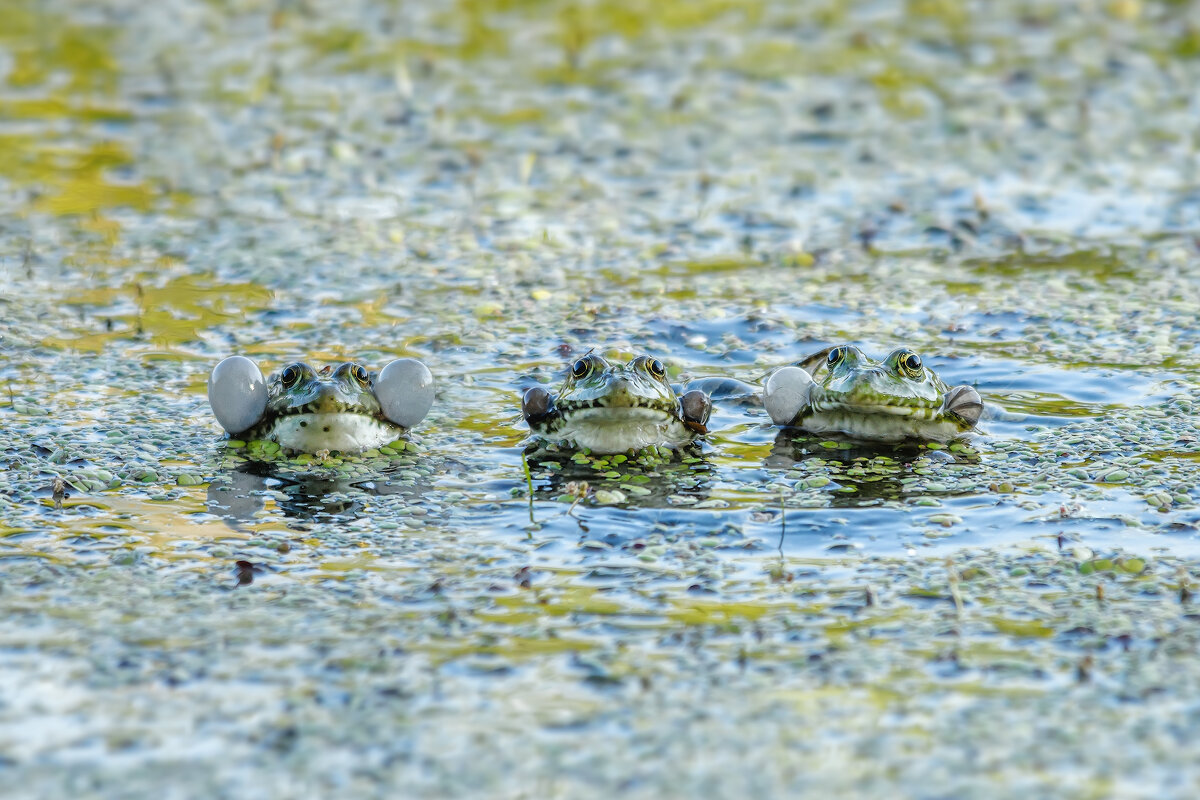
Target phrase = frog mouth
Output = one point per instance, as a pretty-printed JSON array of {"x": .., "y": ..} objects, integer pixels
[
  {"x": 330, "y": 406},
  {"x": 612, "y": 416},
  {"x": 607, "y": 429},
  {"x": 822, "y": 400},
  {"x": 345, "y": 431},
  {"x": 960, "y": 405},
  {"x": 605, "y": 406},
  {"x": 793, "y": 399}
]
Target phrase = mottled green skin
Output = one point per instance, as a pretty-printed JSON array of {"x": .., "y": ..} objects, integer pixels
[
  {"x": 333, "y": 409},
  {"x": 612, "y": 407},
  {"x": 618, "y": 385},
  {"x": 857, "y": 381},
  {"x": 889, "y": 400}
]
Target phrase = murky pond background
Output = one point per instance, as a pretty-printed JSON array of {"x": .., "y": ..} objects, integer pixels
[{"x": 1010, "y": 189}]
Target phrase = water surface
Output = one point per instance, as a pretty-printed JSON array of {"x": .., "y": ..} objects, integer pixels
[{"x": 1010, "y": 190}]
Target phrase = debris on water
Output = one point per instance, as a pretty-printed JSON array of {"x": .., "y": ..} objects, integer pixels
[
  {"x": 58, "y": 491},
  {"x": 245, "y": 573}
]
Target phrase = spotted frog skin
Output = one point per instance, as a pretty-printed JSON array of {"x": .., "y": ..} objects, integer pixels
[
  {"x": 610, "y": 407},
  {"x": 332, "y": 409},
  {"x": 842, "y": 390}
]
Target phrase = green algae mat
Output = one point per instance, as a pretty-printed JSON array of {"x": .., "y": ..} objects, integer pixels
[{"x": 1009, "y": 189}]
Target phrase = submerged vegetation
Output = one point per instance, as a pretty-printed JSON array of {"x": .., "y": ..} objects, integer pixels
[{"x": 495, "y": 188}]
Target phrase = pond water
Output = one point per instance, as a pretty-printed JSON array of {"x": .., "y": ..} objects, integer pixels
[{"x": 1011, "y": 190}]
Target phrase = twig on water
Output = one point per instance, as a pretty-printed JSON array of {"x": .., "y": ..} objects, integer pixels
[{"x": 529, "y": 486}]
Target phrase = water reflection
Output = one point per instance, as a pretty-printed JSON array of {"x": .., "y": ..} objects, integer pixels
[
  {"x": 685, "y": 479},
  {"x": 238, "y": 496},
  {"x": 864, "y": 472}
]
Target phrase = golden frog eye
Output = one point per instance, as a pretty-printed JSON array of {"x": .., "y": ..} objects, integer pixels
[
  {"x": 656, "y": 368},
  {"x": 359, "y": 374},
  {"x": 835, "y": 355},
  {"x": 290, "y": 376},
  {"x": 580, "y": 368},
  {"x": 911, "y": 362}
]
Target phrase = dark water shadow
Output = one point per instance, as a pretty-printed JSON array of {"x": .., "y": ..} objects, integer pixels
[
  {"x": 645, "y": 483},
  {"x": 239, "y": 495}
]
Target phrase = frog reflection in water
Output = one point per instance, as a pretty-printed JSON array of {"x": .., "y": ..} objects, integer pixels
[
  {"x": 841, "y": 390},
  {"x": 611, "y": 407},
  {"x": 346, "y": 408}
]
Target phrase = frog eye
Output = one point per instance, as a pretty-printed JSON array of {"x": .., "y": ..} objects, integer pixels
[
  {"x": 911, "y": 363},
  {"x": 656, "y": 368},
  {"x": 359, "y": 374},
  {"x": 290, "y": 376},
  {"x": 836, "y": 354},
  {"x": 580, "y": 368}
]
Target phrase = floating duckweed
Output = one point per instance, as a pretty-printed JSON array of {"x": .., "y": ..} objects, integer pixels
[
  {"x": 360, "y": 620},
  {"x": 609, "y": 496},
  {"x": 1159, "y": 499},
  {"x": 1096, "y": 565},
  {"x": 712, "y": 503}
]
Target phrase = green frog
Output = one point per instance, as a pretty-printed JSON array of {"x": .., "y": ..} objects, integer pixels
[
  {"x": 841, "y": 390},
  {"x": 610, "y": 407},
  {"x": 344, "y": 408}
]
